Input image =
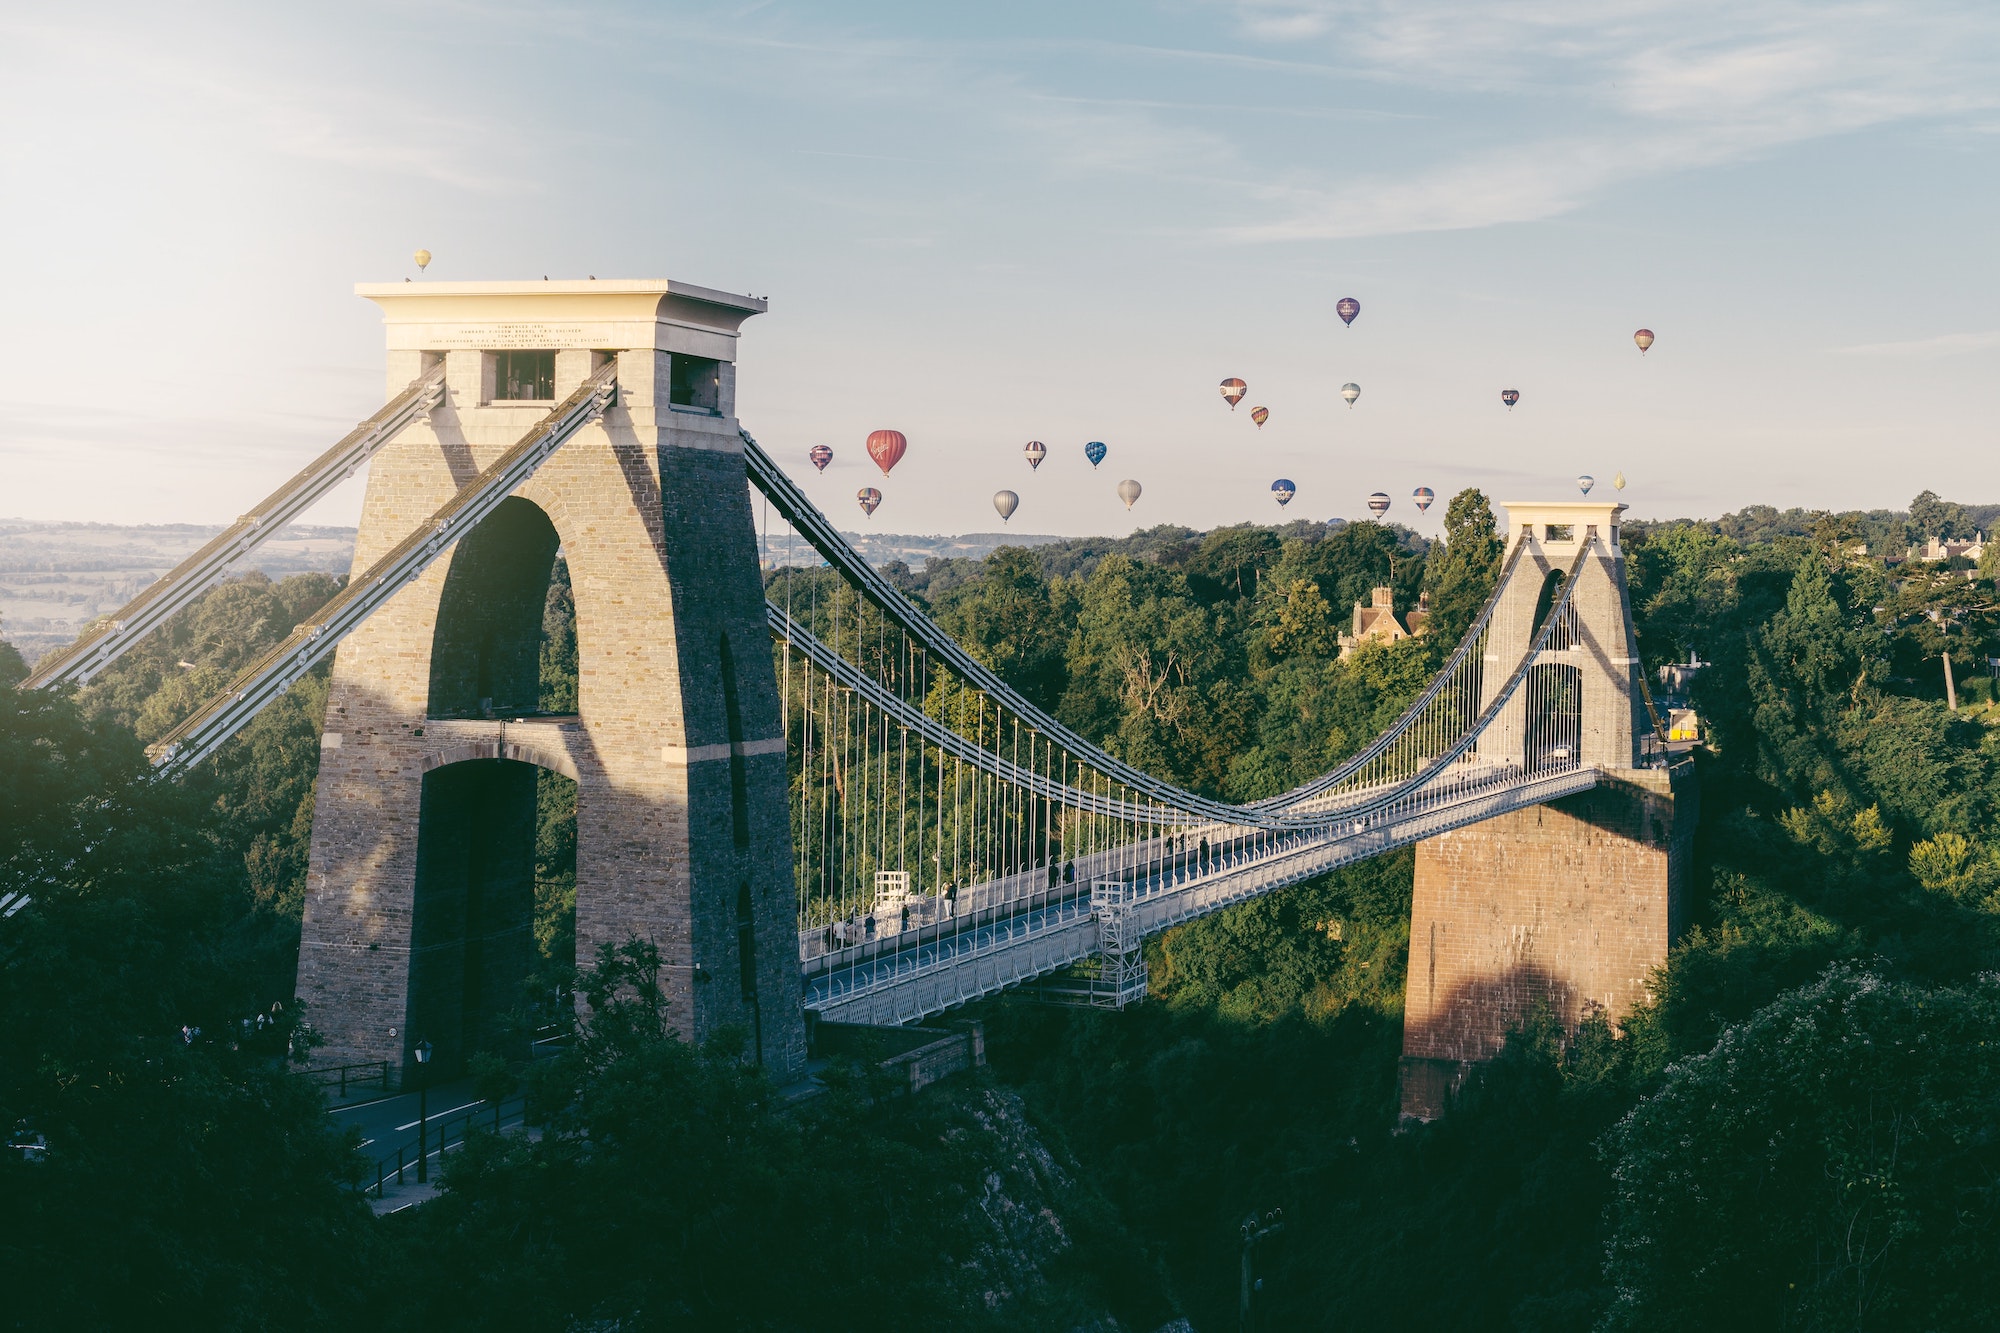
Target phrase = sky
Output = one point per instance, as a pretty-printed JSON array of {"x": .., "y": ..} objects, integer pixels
[{"x": 983, "y": 225}]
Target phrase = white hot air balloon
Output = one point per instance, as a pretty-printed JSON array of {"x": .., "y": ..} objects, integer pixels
[
  {"x": 1129, "y": 491},
  {"x": 1350, "y": 391},
  {"x": 1585, "y": 482},
  {"x": 1006, "y": 502}
]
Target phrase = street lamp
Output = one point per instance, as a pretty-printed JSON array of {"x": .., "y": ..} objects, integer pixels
[{"x": 423, "y": 1054}]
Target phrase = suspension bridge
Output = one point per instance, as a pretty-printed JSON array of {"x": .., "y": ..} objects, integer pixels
[{"x": 794, "y": 781}]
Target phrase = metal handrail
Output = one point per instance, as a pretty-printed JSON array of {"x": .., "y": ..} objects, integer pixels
[{"x": 437, "y": 1138}]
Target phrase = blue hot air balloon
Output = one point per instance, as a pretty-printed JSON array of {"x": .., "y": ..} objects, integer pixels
[
  {"x": 1095, "y": 452},
  {"x": 1423, "y": 495},
  {"x": 1282, "y": 491}
]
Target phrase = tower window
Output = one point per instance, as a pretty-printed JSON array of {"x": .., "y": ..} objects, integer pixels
[
  {"x": 524, "y": 377},
  {"x": 696, "y": 383}
]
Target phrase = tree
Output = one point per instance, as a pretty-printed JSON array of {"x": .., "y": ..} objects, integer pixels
[
  {"x": 1821, "y": 1168},
  {"x": 1460, "y": 575}
]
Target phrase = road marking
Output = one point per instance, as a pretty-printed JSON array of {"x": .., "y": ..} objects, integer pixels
[{"x": 442, "y": 1114}]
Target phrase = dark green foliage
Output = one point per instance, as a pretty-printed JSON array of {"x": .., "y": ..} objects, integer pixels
[{"x": 188, "y": 1182}]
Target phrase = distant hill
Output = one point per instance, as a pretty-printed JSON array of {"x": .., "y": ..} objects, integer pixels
[
  {"x": 881, "y": 548},
  {"x": 55, "y": 578}
]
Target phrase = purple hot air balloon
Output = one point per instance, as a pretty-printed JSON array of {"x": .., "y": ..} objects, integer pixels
[
  {"x": 1423, "y": 495},
  {"x": 1378, "y": 503},
  {"x": 1095, "y": 452},
  {"x": 869, "y": 498},
  {"x": 1347, "y": 308},
  {"x": 821, "y": 456},
  {"x": 1282, "y": 491}
]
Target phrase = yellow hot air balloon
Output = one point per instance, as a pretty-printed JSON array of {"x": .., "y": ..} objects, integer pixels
[
  {"x": 423, "y": 258},
  {"x": 1619, "y": 481}
]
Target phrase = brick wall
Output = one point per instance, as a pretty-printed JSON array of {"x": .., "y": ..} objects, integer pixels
[{"x": 1571, "y": 904}]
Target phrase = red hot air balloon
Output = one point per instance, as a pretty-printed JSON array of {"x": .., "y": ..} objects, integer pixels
[
  {"x": 821, "y": 456},
  {"x": 886, "y": 448},
  {"x": 869, "y": 498},
  {"x": 1510, "y": 397},
  {"x": 1260, "y": 415},
  {"x": 1379, "y": 503},
  {"x": 1035, "y": 452},
  {"x": 1644, "y": 337},
  {"x": 1233, "y": 390},
  {"x": 1347, "y": 308}
]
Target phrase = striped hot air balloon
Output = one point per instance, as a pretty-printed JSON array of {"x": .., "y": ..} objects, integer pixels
[
  {"x": 1282, "y": 491},
  {"x": 820, "y": 456},
  {"x": 1644, "y": 337},
  {"x": 1260, "y": 415},
  {"x": 1350, "y": 392},
  {"x": 1423, "y": 496},
  {"x": 1233, "y": 390},
  {"x": 869, "y": 498},
  {"x": 886, "y": 447},
  {"x": 1035, "y": 452},
  {"x": 1378, "y": 503}
]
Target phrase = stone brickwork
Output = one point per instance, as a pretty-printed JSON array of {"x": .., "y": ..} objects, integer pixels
[
  {"x": 652, "y": 509},
  {"x": 1571, "y": 904}
]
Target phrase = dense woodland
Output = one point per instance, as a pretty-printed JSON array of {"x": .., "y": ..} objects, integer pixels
[{"x": 1797, "y": 1133}]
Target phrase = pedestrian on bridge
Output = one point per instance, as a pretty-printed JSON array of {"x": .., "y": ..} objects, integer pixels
[
  {"x": 869, "y": 925},
  {"x": 906, "y": 916}
]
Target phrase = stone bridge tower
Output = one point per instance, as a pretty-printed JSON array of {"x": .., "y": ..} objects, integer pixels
[
  {"x": 1573, "y": 903},
  {"x": 439, "y": 745}
]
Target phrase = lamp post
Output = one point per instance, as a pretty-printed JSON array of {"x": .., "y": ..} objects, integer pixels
[{"x": 423, "y": 1054}]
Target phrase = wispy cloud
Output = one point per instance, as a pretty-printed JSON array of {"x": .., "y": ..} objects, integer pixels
[{"x": 1944, "y": 344}]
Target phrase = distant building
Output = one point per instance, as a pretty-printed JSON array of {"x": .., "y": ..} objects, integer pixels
[
  {"x": 1375, "y": 620},
  {"x": 1934, "y": 549}
]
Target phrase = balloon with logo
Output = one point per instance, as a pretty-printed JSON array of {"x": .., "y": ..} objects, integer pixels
[
  {"x": 1644, "y": 337},
  {"x": 1006, "y": 502},
  {"x": 1095, "y": 452},
  {"x": 886, "y": 448},
  {"x": 1233, "y": 390},
  {"x": 1510, "y": 397},
  {"x": 1378, "y": 503},
  {"x": 820, "y": 456},
  {"x": 1347, "y": 308},
  {"x": 1260, "y": 415},
  {"x": 1129, "y": 491},
  {"x": 1350, "y": 392},
  {"x": 1282, "y": 491},
  {"x": 1584, "y": 482},
  {"x": 1035, "y": 452},
  {"x": 869, "y": 498},
  {"x": 1423, "y": 496}
]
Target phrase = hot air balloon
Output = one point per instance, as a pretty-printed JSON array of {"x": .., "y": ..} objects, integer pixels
[
  {"x": 1035, "y": 452},
  {"x": 423, "y": 258},
  {"x": 1350, "y": 392},
  {"x": 1006, "y": 502},
  {"x": 1379, "y": 503},
  {"x": 1423, "y": 495},
  {"x": 1644, "y": 337},
  {"x": 820, "y": 456},
  {"x": 1260, "y": 415},
  {"x": 1128, "y": 491},
  {"x": 1095, "y": 452},
  {"x": 1233, "y": 390},
  {"x": 1347, "y": 308},
  {"x": 886, "y": 448},
  {"x": 1585, "y": 482},
  {"x": 1510, "y": 397},
  {"x": 1282, "y": 491},
  {"x": 869, "y": 498},
  {"x": 1618, "y": 481}
]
